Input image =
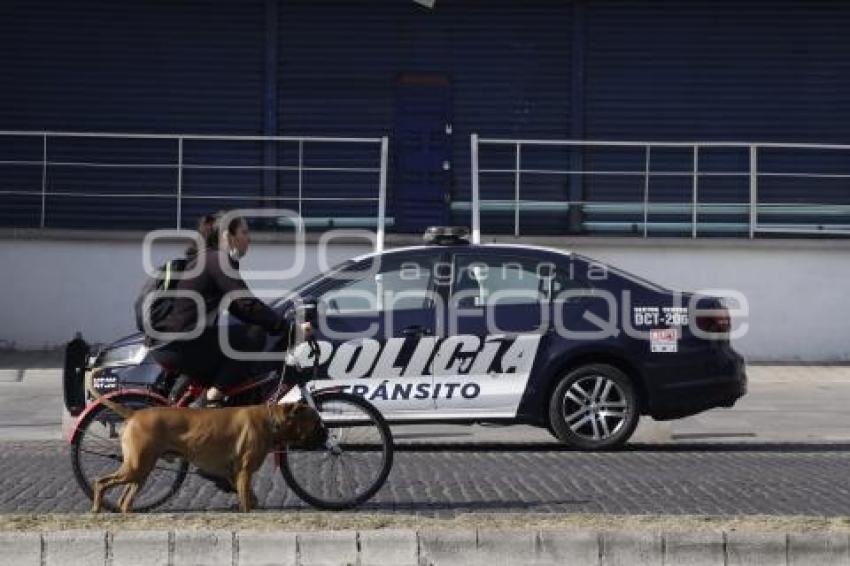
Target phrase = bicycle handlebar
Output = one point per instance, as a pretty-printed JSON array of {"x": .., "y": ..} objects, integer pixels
[{"x": 295, "y": 374}]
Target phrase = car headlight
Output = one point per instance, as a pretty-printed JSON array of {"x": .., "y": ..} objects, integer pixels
[{"x": 130, "y": 355}]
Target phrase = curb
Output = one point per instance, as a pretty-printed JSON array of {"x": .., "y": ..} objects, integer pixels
[{"x": 401, "y": 547}]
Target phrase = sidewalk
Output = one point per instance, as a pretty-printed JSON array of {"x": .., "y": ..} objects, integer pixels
[
  {"x": 407, "y": 547},
  {"x": 31, "y": 406},
  {"x": 785, "y": 403}
]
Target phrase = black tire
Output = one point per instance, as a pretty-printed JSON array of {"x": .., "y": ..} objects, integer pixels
[
  {"x": 73, "y": 376},
  {"x": 591, "y": 422},
  {"x": 305, "y": 469},
  {"x": 96, "y": 451}
]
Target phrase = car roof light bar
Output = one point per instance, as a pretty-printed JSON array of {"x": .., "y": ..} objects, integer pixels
[{"x": 446, "y": 235}]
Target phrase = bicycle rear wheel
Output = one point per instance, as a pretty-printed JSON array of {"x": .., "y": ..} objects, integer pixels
[
  {"x": 96, "y": 452},
  {"x": 354, "y": 469}
]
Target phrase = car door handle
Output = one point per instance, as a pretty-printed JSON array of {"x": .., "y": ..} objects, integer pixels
[{"x": 416, "y": 331}]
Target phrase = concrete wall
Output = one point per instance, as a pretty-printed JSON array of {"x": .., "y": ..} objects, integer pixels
[
  {"x": 53, "y": 284},
  {"x": 797, "y": 290},
  {"x": 51, "y": 288}
]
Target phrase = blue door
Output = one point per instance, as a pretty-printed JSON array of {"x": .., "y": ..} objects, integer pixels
[{"x": 423, "y": 149}]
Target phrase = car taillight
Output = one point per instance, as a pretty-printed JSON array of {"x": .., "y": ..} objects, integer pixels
[{"x": 718, "y": 322}]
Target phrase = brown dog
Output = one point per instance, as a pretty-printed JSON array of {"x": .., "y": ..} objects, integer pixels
[{"x": 230, "y": 443}]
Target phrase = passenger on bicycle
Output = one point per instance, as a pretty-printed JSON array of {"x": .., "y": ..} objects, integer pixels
[{"x": 203, "y": 358}]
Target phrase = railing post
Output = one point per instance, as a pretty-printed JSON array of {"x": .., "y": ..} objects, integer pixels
[
  {"x": 301, "y": 174},
  {"x": 382, "y": 192},
  {"x": 516, "y": 189},
  {"x": 43, "y": 181},
  {"x": 753, "y": 189},
  {"x": 695, "y": 196},
  {"x": 476, "y": 226},
  {"x": 646, "y": 194},
  {"x": 179, "y": 182}
]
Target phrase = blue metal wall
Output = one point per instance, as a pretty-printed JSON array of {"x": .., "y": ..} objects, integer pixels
[
  {"x": 508, "y": 64},
  {"x": 604, "y": 69},
  {"x": 135, "y": 66},
  {"x": 717, "y": 70}
]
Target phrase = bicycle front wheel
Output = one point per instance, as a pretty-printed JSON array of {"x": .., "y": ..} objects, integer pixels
[{"x": 350, "y": 468}]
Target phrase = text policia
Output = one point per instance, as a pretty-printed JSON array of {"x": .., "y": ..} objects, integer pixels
[{"x": 459, "y": 356}]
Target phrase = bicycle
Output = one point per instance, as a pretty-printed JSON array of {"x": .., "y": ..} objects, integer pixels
[{"x": 357, "y": 455}]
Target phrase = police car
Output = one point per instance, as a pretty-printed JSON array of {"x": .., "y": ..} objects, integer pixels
[{"x": 457, "y": 333}]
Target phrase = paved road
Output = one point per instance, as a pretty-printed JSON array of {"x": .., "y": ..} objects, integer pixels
[
  {"x": 784, "y": 448},
  {"x": 431, "y": 480}
]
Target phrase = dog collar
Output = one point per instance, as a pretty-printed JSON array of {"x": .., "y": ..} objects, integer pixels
[{"x": 272, "y": 422}]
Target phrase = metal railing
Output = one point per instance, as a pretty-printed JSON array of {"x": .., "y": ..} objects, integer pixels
[
  {"x": 752, "y": 211},
  {"x": 753, "y": 214},
  {"x": 177, "y": 144}
]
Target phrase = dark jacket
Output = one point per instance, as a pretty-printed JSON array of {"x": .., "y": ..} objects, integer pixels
[{"x": 212, "y": 283}]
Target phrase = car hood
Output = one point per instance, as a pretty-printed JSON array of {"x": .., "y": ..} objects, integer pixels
[{"x": 131, "y": 339}]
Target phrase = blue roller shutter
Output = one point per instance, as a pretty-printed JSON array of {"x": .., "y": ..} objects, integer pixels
[
  {"x": 508, "y": 64},
  {"x": 717, "y": 70},
  {"x": 512, "y": 69},
  {"x": 130, "y": 66}
]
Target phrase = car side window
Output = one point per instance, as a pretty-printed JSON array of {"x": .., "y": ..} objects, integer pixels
[
  {"x": 501, "y": 280},
  {"x": 397, "y": 284}
]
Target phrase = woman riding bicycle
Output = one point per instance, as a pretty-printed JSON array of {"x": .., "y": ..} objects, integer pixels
[
  {"x": 348, "y": 469},
  {"x": 203, "y": 357}
]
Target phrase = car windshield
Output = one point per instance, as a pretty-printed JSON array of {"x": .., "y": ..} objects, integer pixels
[{"x": 313, "y": 280}]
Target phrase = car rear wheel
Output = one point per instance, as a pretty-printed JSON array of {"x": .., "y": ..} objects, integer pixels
[{"x": 594, "y": 407}]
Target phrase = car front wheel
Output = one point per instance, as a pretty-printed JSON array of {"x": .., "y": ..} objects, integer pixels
[{"x": 594, "y": 407}]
